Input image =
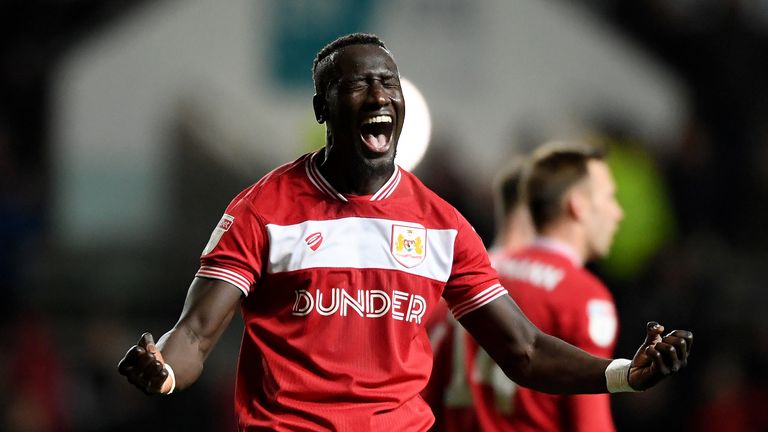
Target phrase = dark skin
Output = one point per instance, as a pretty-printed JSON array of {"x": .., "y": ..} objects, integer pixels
[
  {"x": 208, "y": 310},
  {"x": 365, "y": 84}
]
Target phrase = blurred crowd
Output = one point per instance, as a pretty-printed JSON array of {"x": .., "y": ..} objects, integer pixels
[{"x": 703, "y": 200}]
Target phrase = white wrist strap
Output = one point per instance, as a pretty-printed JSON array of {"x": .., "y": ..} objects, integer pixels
[
  {"x": 172, "y": 376},
  {"x": 617, "y": 376}
]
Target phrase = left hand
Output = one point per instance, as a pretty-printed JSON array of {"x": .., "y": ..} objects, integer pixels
[
  {"x": 143, "y": 366},
  {"x": 659, "y": 356}
]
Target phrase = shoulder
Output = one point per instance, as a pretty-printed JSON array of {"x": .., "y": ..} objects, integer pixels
[
  {"x": 286, "y": 175},
  {"x": 531, "y": 268},
  {"x": 418, "y": 190},
  {"x": 593, "y": 287},
  {"x": 284, "y": 181},
  {"x": 578, "y": 289},
  {"x": 420, "y": 199}
]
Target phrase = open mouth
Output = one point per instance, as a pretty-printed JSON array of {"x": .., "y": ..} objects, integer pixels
[{"x": 376, "y": 133}]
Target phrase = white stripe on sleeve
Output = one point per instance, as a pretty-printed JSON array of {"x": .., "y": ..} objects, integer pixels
[
  {"x": 481, "y": 299},
  {"x": 226, "y": 275}
]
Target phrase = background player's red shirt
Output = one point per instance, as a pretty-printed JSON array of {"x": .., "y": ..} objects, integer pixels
[
  {"x": 338, "y": 292},
  {"x": 562, "y": 299}
]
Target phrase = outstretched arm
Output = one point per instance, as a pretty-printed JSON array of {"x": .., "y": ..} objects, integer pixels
[
  {"x": 208, "y": 309},
  {"x": 534, "y": 359}
]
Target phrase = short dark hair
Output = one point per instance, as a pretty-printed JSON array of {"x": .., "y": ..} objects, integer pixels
[
  {"x": 320, "y": 73},
  {"x": 506, "y": 186},
  {"x": 553, "y": 169}
]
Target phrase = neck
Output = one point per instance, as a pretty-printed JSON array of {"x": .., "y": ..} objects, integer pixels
[
  {"x": 354, "y": 176},
  {"x": 569, "y": 235},
  {"x": 517, "y": 232}
]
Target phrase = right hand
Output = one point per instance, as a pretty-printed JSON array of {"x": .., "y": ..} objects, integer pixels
[
  {"x": 659, "y": 357},
  {"x": 143, "y": 366}
]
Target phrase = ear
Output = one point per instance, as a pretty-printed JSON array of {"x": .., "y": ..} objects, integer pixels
[
  {"x": 577, "y": 203},
  {"x": 318, "y": 104}
]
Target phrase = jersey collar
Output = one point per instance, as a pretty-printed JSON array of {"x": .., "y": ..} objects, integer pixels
[
  {"x": 559, "y": 247},
  {"x": 317, "y": 179}
]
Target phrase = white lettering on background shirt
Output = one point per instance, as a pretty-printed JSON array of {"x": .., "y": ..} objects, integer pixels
[{"x": 536, "y": 273}]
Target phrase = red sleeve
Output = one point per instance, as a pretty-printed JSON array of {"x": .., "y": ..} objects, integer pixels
[
  {"x": 236, "y": 249},
  {"x": 473, "y": 282}
]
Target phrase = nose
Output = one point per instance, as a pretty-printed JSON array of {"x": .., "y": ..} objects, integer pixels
[{"x": 377, "y": 94}]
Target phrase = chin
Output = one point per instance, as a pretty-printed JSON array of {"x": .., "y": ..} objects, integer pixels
[
  {"x": 380, "y": 167},
  {"x": 379, "y": 164},
  {"x": 604, "y": 252}
]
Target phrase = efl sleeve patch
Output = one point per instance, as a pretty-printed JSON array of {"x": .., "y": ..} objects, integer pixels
[
  {"x": 222, "y": 227},
  {"x": 603, "y": 324}
]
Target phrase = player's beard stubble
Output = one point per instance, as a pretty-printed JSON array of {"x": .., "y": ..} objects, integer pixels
[{"x": 381, "y": 167}]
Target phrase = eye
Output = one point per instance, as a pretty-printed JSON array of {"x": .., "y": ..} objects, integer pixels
[
  {"x": 391, "y": 83},
  {"x": 353, "y": 86}
]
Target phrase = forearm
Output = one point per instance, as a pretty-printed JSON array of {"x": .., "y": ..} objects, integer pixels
[
  {"x": 185, "y": 349},
  {"x": 531, "y": 358},
  {"x": 558, "y": 367},
  {"x": 207, "y": 313}
]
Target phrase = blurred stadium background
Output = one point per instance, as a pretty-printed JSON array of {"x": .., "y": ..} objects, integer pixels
[{"x": 127, "y": 126}]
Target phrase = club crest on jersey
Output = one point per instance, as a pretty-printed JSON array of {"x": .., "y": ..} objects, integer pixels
[
  {"x": 223, "y": 226},
  {"x": 409, "y": 244}
]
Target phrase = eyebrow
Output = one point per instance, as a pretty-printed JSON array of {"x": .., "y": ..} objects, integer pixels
[{"x": 360, "y": 77}]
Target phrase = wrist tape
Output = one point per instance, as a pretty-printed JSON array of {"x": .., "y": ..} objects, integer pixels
[
  {"x": 172, "y": 376},
  {"x": 617, "y": 376}
]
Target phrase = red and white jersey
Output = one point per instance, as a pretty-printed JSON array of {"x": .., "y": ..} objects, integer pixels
[
  {"x": 338, "y": 289},
  {"x": 562, "y": 299}
]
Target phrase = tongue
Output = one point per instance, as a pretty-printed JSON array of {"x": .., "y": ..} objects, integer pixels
[{"x": 377, "y": 143}]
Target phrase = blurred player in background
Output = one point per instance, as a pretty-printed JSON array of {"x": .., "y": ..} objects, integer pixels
[
  {"x": 514, "y": 229},
  {"x": 337, "y": 260},
  {"x": 571, "y": 198}
]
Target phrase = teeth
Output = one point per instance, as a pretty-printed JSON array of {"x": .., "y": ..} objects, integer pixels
[{"x": 378, "y": 119}]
